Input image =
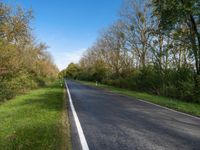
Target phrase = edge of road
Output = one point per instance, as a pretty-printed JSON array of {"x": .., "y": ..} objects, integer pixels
[
  {"x": 96, "y": 87},
  {"x": 81, "y": 135}
]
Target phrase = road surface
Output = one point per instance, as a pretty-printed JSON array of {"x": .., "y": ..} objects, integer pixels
[{"x": 114, "y": 122}]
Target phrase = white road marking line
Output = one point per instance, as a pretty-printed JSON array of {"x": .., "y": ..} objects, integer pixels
[
  {"x": 169, "y": 109},
  {"x": 77, "y": 122},
  {"x": 158, "y": 105}
]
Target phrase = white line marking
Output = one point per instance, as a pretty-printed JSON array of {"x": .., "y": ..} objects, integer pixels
[
  {"x": 77, "y": 122},
  {"x": 157, "y": 105},
  {"x": 168, "y": 109}
]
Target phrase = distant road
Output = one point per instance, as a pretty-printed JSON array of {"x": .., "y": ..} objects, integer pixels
[{"x": 113, "y": 122}]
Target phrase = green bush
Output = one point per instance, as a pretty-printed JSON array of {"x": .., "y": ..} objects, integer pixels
[{"x": 171, "y": 83}]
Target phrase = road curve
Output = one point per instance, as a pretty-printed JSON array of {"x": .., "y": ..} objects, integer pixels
[{"x": 115, "y": 122}]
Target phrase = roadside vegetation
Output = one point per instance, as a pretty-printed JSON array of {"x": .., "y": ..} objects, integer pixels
[
  {"x": 154, "y": 47},
  {"x": 24, "y": 63},
  {"x": 186, "y": 107},
  {"x": 36, "y": 120}
]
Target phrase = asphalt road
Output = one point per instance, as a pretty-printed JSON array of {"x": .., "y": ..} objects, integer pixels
[{"x": 114, "y": 122}]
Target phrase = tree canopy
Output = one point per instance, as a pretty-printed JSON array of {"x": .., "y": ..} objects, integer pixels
[
  {"x": 152, "y": 47},
  {"x": 24, "y": 64}
]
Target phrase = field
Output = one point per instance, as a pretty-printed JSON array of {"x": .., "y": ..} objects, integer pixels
[{"x": 36, "y": 120}]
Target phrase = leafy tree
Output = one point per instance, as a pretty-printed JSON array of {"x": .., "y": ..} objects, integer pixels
[
  {"x": 178, "y": 15},
  {"x": 71, "y": 71},
  {"x": 24, "y": 64},
  {"x": 153, "y": 47}
]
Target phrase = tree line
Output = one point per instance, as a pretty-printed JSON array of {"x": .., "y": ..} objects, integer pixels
[
  {"x": 154, "y": 47},
  {"x": 24, "y": 63}
]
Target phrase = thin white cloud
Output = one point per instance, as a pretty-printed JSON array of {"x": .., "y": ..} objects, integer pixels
[{"x": 62, "y": 60}]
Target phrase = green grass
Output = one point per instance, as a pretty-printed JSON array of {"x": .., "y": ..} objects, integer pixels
[
  {"x": 190, "y": 108},
  {"x": 35, "y": 121}
]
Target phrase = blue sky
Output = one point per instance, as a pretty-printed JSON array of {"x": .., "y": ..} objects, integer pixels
[{"x": 69, "y": 27}]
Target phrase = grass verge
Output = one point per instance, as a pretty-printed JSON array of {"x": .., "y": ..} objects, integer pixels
[
  {"x": 36, "y": 120},
  {"x": 186, "y": 107}
]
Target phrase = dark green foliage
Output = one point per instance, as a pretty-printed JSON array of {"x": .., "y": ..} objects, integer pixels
[
  {"x": 182, "y": 18},
  {"x": 70, "y": 72},
  {"x": 173, "y": 12},
  {"x": 176, "y": 84},
  {"x": 95, "y": 73}
]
